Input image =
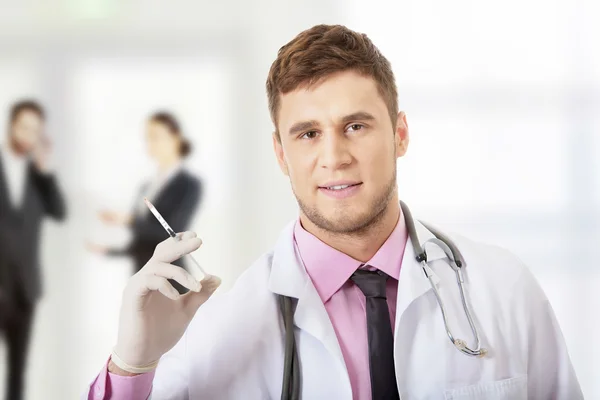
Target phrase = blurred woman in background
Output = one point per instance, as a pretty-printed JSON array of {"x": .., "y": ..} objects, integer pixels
[{"x": 174, "y": 192}]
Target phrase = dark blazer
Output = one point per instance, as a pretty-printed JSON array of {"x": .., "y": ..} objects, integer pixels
[
  {"x": 20, "y": 232},
  {"x": 177, "y": 202}
]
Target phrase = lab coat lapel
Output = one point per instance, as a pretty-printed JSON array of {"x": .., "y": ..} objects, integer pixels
[
  {"x": 288, "y": 277},
  {"x": 412, "y": 282},
  {"x": 311, "y": 316}
]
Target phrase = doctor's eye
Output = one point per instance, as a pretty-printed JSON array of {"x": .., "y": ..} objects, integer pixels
[
  {"x": 309, "y": 135},
  {"x": 355, "y": 127}
]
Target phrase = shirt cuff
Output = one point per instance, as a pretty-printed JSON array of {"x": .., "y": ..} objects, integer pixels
[{"x": 109, "y": 386}]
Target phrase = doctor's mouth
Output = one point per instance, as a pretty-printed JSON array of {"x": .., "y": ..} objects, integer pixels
[{"x": 340, "y": 189}]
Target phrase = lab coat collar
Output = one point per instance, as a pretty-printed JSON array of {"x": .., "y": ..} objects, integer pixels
[
  {"x": 412, "y": 282},
  {"x": 289, "y": 278}
]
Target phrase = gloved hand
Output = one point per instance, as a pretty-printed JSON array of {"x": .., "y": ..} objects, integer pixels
[{"x": 154, "y": 315}]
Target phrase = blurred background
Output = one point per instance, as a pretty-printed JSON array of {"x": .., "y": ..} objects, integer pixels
[{"x": 502, "y": 98}]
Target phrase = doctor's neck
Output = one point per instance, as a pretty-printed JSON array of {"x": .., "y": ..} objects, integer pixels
[{"x": 361, "y": 244}]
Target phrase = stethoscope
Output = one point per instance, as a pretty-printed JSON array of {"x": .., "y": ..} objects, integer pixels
[{"x": 291, "y": 370}]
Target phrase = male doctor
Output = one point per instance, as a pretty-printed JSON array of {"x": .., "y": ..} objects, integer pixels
[{"x": 366, "y": 321}]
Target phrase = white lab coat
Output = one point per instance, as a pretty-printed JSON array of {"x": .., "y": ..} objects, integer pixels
[{"x": 233, "y": 348}]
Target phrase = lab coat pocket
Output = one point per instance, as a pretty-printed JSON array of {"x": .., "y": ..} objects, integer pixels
[{"x": 506, "y": 389}]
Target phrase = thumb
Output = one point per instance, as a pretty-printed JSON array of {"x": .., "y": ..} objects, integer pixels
[{"x": 193, "y": 300}]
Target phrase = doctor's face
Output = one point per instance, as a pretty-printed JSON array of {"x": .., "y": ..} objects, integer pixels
[{"x": 339, "y": 148}]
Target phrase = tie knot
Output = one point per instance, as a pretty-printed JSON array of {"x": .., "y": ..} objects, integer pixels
[{"x": 371, "y": 283}]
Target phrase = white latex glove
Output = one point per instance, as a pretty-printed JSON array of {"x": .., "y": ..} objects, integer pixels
[{"x": 154, "y": 315}]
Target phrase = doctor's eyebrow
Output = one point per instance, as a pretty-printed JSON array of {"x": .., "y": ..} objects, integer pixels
[
  {"x": 358, "y": 116},
  {"x": 302, "y": 126}
]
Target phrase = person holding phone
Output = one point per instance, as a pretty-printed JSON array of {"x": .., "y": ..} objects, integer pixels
[
  {"x": 28, "y": 193},
  {"x": 175, "y": 192}
]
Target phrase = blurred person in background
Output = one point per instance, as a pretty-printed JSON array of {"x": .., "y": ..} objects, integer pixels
[
  {"x": 28, "y": 193},
  {"x": 175, "y": 192}
]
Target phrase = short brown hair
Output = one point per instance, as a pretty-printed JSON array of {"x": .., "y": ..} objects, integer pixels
[
  {"x": 26, "y": 105},
  {"x": 321, "y": 51}
]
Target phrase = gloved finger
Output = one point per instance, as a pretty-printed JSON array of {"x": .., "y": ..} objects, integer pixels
[
  {"x": 192, "y": 301},
  {"x": 170, "y": 249},
  {"x": 187, "y": 235},
  {"x": 176, "y": 273},
  {"x": 151, "y": 282}
]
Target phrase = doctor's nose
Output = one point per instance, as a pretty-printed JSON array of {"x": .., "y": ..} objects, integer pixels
[{"x": 334, "y": 151}]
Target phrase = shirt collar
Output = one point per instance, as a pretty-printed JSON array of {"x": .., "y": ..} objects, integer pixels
[{"x": 329, "y": 268}]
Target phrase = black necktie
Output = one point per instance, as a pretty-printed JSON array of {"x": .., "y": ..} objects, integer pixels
[{"x": 379, "y": 330}]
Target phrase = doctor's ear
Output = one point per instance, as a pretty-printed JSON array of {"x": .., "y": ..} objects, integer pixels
[
  {"x": 401, "y": 136},
  {"x": 277, "y": 146}
]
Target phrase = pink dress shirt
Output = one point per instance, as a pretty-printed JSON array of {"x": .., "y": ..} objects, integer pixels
[
  {"x": 330, "y": 272},
  {"x": 110, "y": 386}
]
